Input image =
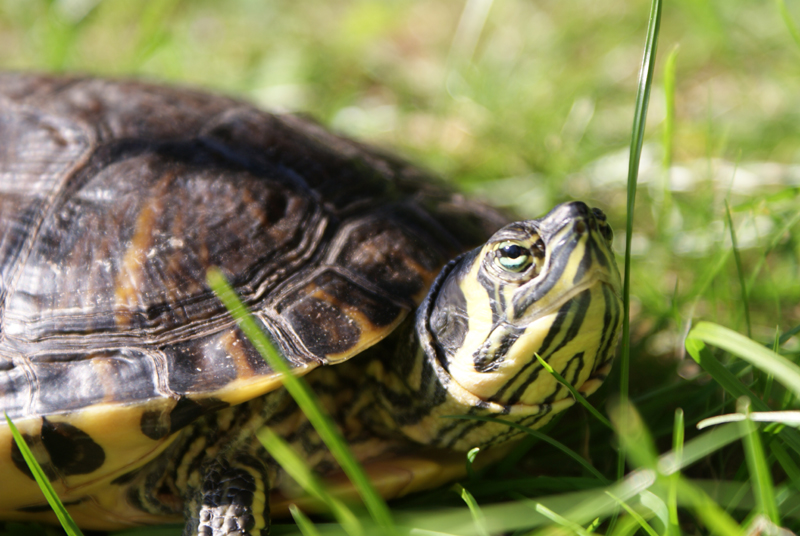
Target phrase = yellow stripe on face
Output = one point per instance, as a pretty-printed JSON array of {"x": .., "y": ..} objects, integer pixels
[{"x": 568, "y": 339}]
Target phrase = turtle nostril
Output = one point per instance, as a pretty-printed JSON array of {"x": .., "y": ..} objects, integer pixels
[{"x": 580, "y": 227}]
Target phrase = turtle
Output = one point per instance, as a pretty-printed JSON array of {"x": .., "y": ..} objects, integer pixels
[{"x": 400, "y": 301}]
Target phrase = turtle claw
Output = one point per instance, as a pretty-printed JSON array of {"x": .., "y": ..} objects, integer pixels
[{"x": 230, "y": 503}]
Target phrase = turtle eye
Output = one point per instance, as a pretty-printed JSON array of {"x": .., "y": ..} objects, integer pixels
[{"x": 512, "y": 257}]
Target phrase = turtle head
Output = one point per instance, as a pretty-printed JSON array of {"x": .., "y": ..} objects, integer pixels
[{"x": 549, "y": 287}]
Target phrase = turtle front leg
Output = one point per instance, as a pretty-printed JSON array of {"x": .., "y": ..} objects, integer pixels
[{"x": 232, "y": 499}]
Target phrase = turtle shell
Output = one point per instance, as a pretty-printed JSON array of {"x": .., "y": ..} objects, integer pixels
[{"x": 116, "y": 197}]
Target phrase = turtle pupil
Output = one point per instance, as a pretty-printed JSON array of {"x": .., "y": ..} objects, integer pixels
[
  {"x": 513, "y": 258},
  {"x": 512, "y": 252}
]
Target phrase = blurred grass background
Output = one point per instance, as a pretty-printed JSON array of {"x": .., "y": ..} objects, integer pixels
[{"x": 525, "y": 103}]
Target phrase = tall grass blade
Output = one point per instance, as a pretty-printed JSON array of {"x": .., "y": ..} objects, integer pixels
[
  {"x": 777, "y": 236},
  {"x": 637, "y": 139},
  {"x": 786, "y": 462},
  {"x": 305, "y": 525},
  {"x": 634, "y": 514},
  {"x": 575, "y": 394},
  {"x": 668, "y": 139},
  {"x": 656, "y": 505},
  {"x": 757, "y": 465},
  {"x": 724, "y": 377},
  {"x": 668, "y": 135},
  {"x": 698, "y": 448},
  {"x": 477, "y": 516},
  {"x": 561, "y": 520},
  {"x": 787, "y": 20},
  {"x": 541, "y": 437},
  {"x": 784, "y": 370},
  {"x": 730, "y": 383},
  {"x": 673, "y": 528},
  {"x": 302, "y": 474},
  {"x": 471, "y": 455},
  {"x": 641, "y": 450},
  {"x": 306, "y": 400},
  {"x": 153, "y": 30},
  {"x": 789, "y": 418},
  {"x": 68, "y": 524},
  {"x": 627, "y": 526},
  {"x": 633, "y": 435},
  {"x": 789, "y": 334},
  {"x": 709, "y": 512},
  {"x": 739, "y": 271}
]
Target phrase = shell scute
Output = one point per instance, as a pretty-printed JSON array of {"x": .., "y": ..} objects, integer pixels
[
  {"x": 392, "y": 253},
  {"x": 203, "y": 365},
  {"x": 72, "y": 381},
  {"x": 342, "y": 174},
  {"x": 331, "y": 314}
]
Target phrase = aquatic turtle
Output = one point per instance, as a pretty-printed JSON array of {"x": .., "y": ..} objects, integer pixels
[{"x": 136, "y": 390}]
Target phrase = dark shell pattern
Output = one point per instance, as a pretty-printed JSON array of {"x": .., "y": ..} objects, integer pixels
[{"x": 117, "y": 197}]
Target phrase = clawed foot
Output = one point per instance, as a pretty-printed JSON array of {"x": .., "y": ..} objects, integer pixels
[{"x": 231, "y": 503}]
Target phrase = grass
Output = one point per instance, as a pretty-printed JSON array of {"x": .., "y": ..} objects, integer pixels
[{"x": 531, "y": 105}]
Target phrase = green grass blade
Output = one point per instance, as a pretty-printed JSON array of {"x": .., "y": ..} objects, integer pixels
[
  {"x": 731, "y": 384},
  {"x": 674, "y": 528},
  {"x": 634, "y": 514},
  {"x": 302, "y": 474},
  {"x": 785, "y": 372},
  {"x": 739, "y": 271},
  {"x": 704, "y": 283},
  {"x": 769, "y": 379},
  {"x": 153, "y": 30},
  {"x": 68, "y": 524},
  {"x": 306, "y": 400},
  {"x": 787, "y": 19},
  {"x": 627, "y": 526},
  {"x": 668, "y": 134},
  {"x": 777, "y": 236},
  {"x": 789, "y": 334},
  {"x": 637, "y": 139},
  {"x": 541, "y": 437},
  {"x": 698, "y": 448},
  {"x": 641, "y": 450},
  {"x": 786, "y": 462},
  {"x": 667, "y": 141},
  {"x": 305, "y": 525},
  {"x": 471, "y": 455},
  {"x": 757, "y": 465},
  {"x": 477, "y": 516},
  {"x": 656, "y": 505},
  {"x": 715, "y": 518},
  {"x": 789, "y": 418},
  {"x": 633, "y": 435},
  {"x": 561, "y": 520},
  {"x": 575, "y": 394},
  {"x": 724, "y": 377}
]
